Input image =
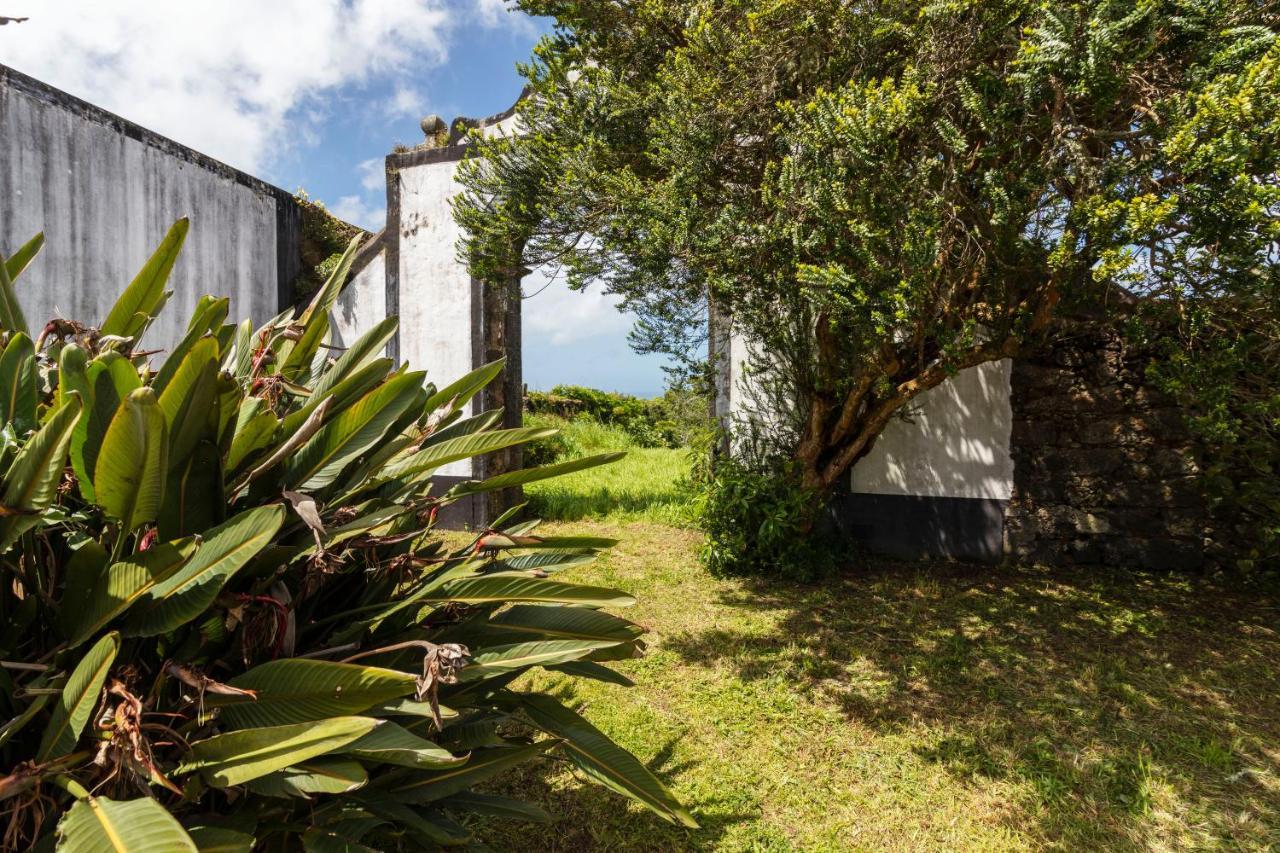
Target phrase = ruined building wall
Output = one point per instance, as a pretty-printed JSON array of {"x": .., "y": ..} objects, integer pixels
[{"x": 1105, "y": 470}]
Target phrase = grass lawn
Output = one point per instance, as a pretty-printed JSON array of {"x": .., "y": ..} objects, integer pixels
[{"x": 922, "y": 707}]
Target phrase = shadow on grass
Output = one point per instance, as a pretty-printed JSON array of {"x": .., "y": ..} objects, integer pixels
[{"x": 1109, "y": 696}]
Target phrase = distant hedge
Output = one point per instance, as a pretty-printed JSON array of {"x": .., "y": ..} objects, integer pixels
[{"x": 672, "y": 420}]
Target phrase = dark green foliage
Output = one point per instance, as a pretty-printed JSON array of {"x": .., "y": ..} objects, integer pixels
[
  {"x": 226, "y": 619},
  {"x": 763, "y": 522},
  {"x": 878, "y": 194}
]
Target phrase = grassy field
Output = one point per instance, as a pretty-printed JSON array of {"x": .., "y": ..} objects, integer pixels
[{"x": 920, "y": 707}]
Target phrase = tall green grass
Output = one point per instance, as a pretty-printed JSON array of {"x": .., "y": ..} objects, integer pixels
[{"x": 648, "y": 484}]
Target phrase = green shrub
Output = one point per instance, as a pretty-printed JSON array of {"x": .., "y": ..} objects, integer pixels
[
  {"x": 227, "y": 622},
  {"x": 761, "y": 522}
]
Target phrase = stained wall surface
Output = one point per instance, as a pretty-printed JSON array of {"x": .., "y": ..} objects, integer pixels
[{"x": 104, "y": 191}]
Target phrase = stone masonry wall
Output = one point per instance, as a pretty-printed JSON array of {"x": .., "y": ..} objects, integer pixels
[{"x": 1104, "y": 467}]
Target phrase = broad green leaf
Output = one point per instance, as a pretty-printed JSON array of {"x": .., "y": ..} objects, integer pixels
[
  {"x": 368, "y": 347},
  {"x": 123, "y": 583},
  {"x": 32, "y": 480},
  {"x": 603, "y": 760},
  {"x": 100, "y": 825},
  {"x": 483, "y": 764},
  {"x": 111, "y": 378},
  {"x": 298, "y": 690},
  {"x": 223, "y": 552},
  {"x": 193, "y": 492},
  {"x": 297, "y": 366},
  {"x": 83, "y": 572},
  {"x": 321, "y": 776},
  {"x": 338, "y": 443},
  {"x": 129, "y": 478},
  {"x": 463, "y": 447},
  {"x": 493, "y": 805},
  {"x": 391, "y": 743},
  {"x": 459, "y": 393},
  {"x": 340, "y": 396},
  {"x": 79, "y": 698},
  {"x": 331, "y": 839},
  {"x": 237, "y": 757},
  {"x": 22, "y": 258},
  {"x": 531, "y": 475},
  {"x": 595, "y": 671},
  {"x": 500, "y": 659},
  {"x": 207, "y": 319},
  {"x": 216, "y": 839},
  {"x": 11, "y": 318},
  {"x": 470, "y": 426},
  {"x": 188, "y": 398},
  {"x": 495, "y": 590},
  {"x": 566, "y": 623},
  {"x": 143, "y": 297},
  {"x": 547, "y": 561},
  {"x": 18, "y": 395},
  {"x": 253, "y": 431},
  {"x": 240, "y": 360}
]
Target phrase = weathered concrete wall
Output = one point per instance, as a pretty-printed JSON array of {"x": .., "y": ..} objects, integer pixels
[
  {"x": 450, "y": 323},
  {"x": 362, "y": 304},
  {"x": 1105, "y": 468},
  {"x": 105, "y": 191}
]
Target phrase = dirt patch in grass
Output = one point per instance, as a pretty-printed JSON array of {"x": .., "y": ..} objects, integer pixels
[{"x": 940, "y": 707}]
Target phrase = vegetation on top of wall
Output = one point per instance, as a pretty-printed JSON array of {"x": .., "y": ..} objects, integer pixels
[
  {"x": 675, "y": 419},
  {"x": 325, "y": 238},
  {"x": 227, "y": 620}
]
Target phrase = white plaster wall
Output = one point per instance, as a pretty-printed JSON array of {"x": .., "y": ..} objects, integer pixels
[
  {"x": 435, "y": 289},
  {"x": 104, "y": 201},
  {"x": 956, "y": 445},
  {"x": 362, "y": 304}
]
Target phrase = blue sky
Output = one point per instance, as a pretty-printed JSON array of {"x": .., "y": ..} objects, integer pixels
[{"x": 312, "y": 94}]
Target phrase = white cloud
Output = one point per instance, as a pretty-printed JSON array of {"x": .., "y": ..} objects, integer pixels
[
  {"x": 373, "y": 174},
  {"x": 238, "y": 79},
  {"x": 354, "y": 209},
  {"x": 405, "y": 102},
  {"x": 566, "y": 316}
]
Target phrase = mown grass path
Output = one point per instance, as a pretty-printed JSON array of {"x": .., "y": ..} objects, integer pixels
[{"x": 943, "y": 708}]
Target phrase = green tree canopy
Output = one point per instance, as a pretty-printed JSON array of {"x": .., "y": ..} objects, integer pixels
[{"x": 882, "y": 193}]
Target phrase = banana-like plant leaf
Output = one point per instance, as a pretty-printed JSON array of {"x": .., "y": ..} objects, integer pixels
[
  {"x": 237, "y": 757},
  {"x": 469, "y": 426},
  {"x": 319, "y": 461},
  {"x": 111, "y": 378},
  {"x": 217, "y": 839},
  {"x": 79, "y": 698},
  {"x": 391, "y": 743},
  {"x": 193, "y": 494},
  {"x": 187, "y": 594},
  {"x": 459, "y": 393},
  {"x": 253, "y": 432},
  {"x": 603, "y": 760},
  {"x": 125, "y": 582},
  {"x": 368, "y": 347},
  {"x": 11, "y": 318},
  {"x": 321, "y": 776},
  {"x": 483, "y": 764},
  {"x": 296, "y": 691},
  {"x": 206, "y": 320},
  {"x": 33, "y": 478},
  {"x": 500, "y": 590},
  {"x": 18, "y": 394},
  {"x": 21, "y": 259},
  {"x": 564, "y": 623},
  {"x": 532, "y": 475},
  {"x": 100, "y": 825},
  {"x": 596, "y": 672},
  {"x": 464, "y": 447},
  {"x": 130, "y": 474},
  {"x": 493, "y": 805},
  {"x": 500, "y": 659},
  {"x": 432, "y": 830},
  {"x": 188, "y": 397},
  {"x": 142, "y": 299}
]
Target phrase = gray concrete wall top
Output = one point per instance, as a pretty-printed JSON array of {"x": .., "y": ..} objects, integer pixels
[{"x": 105, "y": 190}]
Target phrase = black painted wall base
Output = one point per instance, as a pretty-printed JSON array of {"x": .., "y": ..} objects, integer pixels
[{"x": 911, "y": 527}]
